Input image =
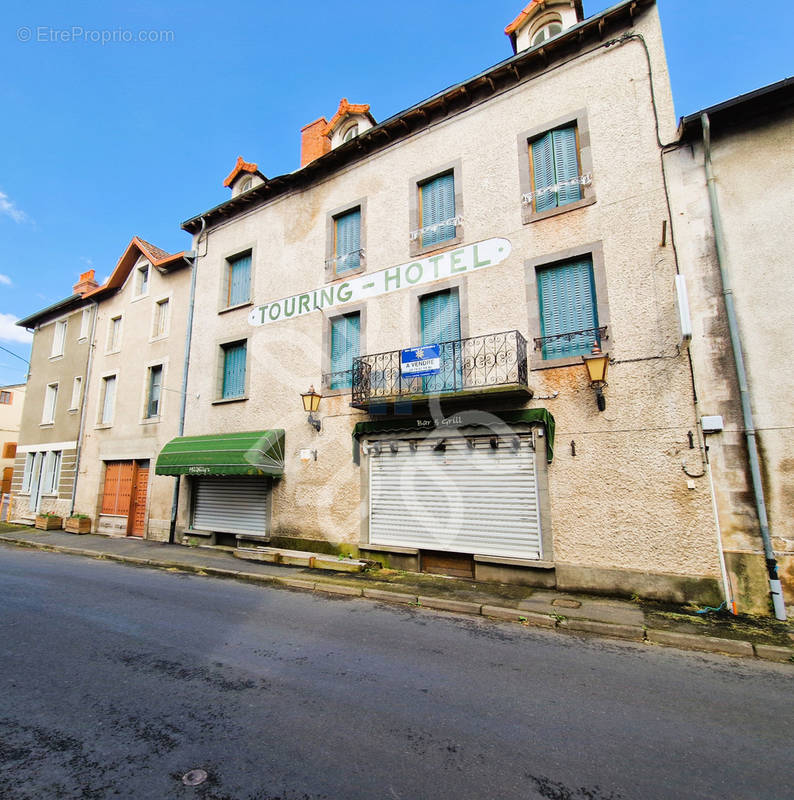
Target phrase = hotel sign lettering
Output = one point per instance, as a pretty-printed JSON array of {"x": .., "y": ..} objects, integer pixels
[{"x": 471, "y": 258}]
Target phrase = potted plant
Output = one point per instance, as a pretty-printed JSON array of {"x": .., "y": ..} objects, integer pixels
[
  {"x": 49, "y": 522},
  {"x": 78, "y": 523}
]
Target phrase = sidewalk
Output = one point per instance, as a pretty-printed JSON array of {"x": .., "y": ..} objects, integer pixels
[{"x": 648, "y": 622}]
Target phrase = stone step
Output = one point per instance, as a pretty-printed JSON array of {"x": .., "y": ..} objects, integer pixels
[{"x": 299, "y": 558}]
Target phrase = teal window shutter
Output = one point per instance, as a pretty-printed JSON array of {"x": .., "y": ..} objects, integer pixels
[
  {"x": 345, "y": 346},
  {"x": 567, "y": 298},
  {"x": 348, "y": 241},
  {"x": 440, "y": 318},
  {"x": 438, "y": 205},
  {"x": 554, "y": 161},
  {"x": 239, "y": 280},
  {"x": 234, "y": 370}
]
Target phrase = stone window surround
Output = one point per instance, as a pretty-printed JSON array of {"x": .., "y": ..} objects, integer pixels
[
  {"x": 414, "y": 221},
  {"x": 109, "y": 340},
  {"x": 155, "y": 337},
  {"x": 220, "y": 345},
  {"x": 328, "y": 319},
  {"x": 330, "y": 238},
  {"x": 458, "y": 284},
  {"x": 111, "y": 373},
  {"x": 595, "y": 251},
  {"x": 223, "y": 289},
  {"x": 156, "y": 362},
  {"x": 580, "y": 120}
]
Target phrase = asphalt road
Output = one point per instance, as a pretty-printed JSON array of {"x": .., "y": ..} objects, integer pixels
[{"x": 117, "y": 680}]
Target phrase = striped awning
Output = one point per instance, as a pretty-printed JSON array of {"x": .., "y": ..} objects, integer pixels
[{"x": 250, "y": 453}]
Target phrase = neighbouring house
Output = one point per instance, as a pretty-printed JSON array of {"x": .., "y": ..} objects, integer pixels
[
  {"x": 12, "y": 398},
  {"x": 450, "y": 281},
  {"x": 734, "y": 250},
  {"x": 49, "y": 433}
]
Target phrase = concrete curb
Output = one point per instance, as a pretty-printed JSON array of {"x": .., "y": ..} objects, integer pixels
[{"x": 635, "y": 633}]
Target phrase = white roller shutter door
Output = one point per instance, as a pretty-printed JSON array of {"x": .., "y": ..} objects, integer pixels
[
  {"x": 231, "y": 505},
  {"x": 479, "y": 500}
]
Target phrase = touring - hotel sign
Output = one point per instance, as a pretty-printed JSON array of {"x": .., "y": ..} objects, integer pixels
[{"x": 426, "y": 270}]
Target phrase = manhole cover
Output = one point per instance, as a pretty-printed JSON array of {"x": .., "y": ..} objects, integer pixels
[{"x": 195, "y": 777}]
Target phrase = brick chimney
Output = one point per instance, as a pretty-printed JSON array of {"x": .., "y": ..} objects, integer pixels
[
  {"x": 313, "y": 143},
  {"x": 86, "y": 283}
]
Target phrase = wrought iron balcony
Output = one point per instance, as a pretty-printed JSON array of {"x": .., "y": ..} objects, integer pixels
[
  {"x": 495, "y": 363},
  {"x": 573, "y": 343}
]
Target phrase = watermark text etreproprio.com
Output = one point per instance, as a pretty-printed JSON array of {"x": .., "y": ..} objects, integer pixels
[{"x": 77, "y": 33}]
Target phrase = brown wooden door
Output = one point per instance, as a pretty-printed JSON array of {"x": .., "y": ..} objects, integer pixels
[
  {"x": 137, "y": 516},
  {"x": 5, "y": 486},
  {"x": 118, "y": 488}
]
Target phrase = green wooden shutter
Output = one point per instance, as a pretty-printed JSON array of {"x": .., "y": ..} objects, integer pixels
[
  {"x": 438, "y": 205},
  {"x": 566, "y": 294},
  {"x": 543, "y": 172},
  {"x": 240, "y": 280},
  {"x": 345, "y": 346},
  {"x": 566, "y": 164},
  {"x": 234, "y": 370},
  {"x": 348, "y": 241}
]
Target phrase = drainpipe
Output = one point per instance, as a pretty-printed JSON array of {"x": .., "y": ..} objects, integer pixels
[
  {"x": 83, "y": 403},
  {"x": 741, "y": 374},
  {"x": 183, "y": 401}
]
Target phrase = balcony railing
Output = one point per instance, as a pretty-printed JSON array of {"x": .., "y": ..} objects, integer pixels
[
  {"x": 573, "y": 343},
  {"x": 473, "y": 365}
]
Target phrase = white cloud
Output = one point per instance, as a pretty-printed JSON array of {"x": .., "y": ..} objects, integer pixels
[
  {"x": 10, "y": 332},
  {"x": 7, "y": 207},
  {"x": 5, "y": 280}
]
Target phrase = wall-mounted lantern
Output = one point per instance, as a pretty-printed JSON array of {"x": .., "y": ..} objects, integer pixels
[
  {"x": 597, "y": 364},
  {"x": 311, "y": 403}
]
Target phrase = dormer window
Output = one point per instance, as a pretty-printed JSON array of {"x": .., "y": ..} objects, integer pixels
[
  {"x": 246, "y": 185},
  {"x": 546, "y": 31},
  {"x": 142, "y": 280},
  {"x": 350, "y": 133}
]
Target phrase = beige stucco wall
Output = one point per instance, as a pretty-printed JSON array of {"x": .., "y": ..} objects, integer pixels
[
  {"x": 130, "y": 435},
  {"x": 751, "y": 166},
  {"x": 10, "y": 420},
  {"x": 623, "y": 501}
]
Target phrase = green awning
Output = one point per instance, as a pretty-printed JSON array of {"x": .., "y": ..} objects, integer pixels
[
  {"x": 465, "y": 419},
  {"x": 250, "y": 453}
]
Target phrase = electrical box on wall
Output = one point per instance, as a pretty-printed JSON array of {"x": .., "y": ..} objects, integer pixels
[
  {"x": 682, "y": 306},
  {"x": 712, "y": 424}
]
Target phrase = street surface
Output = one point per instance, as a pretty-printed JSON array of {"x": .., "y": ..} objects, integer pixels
[{"x": 116, "y": 681}]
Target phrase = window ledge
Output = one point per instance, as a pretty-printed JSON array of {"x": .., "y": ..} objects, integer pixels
[
  {"x": 47, "y": 424},
  {"x": 535, "y": 216},
  {"x": 158, "y": 338},
  {"x": 223, "y": 400},
  {"x": 139, "y": 297},
  {"x": 56, "y": 357},
  {"x": 246, "y": 304},
  {"x": 150, "y": 420},
  {"x": 72, "y": 410},
  {"x": 112, "y": 352},
  {"x": 554, "y": 363},
  {"x": 102, "y": 426},
  {"x": 415, "y": 251}
]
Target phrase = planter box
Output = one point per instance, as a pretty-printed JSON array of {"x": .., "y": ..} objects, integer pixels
[
  {"x": 49, "y": 523},
  {"x": 77, "y": 525}
]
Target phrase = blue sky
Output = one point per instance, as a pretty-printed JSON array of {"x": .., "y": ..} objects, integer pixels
[{"x": 100, "y": 142}]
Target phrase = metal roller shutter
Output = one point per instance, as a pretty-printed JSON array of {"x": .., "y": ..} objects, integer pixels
[
  {"x": 230, "y": 505},
  {"x": 476, "y": 500}
]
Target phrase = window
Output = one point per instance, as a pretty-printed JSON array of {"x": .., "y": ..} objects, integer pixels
[
  {"x": 108, "y": 399},
  {"x": 58, "y": 338},
  {"x": 51, "y": 472},
  {"x": 233, "y": 378},
  {"x": 85, "y": 323},
  {"x": 554, "y": 167},
  {"x": 546, "y": 31},
  {"x": 162, "y": 309},
  {"x": 77, "y": 388},
  {"x": 440, "y": 323},
  {"x": 114, "y": 334},
  {"x": 350, "y": 133},
  {"x": 142, "y": 280},
  {"x": 155, "y": 386},
  {"x": 568, "y": 309},
  {"x": 246, "y": 185},
  {"x": 9, "y": 450},
  {"x": 50, "y": 401},
  {"x": 27, "y": 472},
  {"x": 347, "y": 241},
  {"x": 6, "y": 398},
  {"x": 238, "y": 280},
  {"x": 345, "y": 346},
  {"x": 437, "y": 210}
]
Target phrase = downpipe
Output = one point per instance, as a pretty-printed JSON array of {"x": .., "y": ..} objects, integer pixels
[{"x": 741, "y": 374}]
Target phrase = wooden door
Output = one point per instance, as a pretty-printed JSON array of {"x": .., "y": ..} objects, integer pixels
[
  {"x": 5, "y": 486},
  {"x": 137, "y": 517}
]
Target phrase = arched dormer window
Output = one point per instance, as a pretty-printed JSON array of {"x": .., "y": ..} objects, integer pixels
[
  {"x": 350, "y": 133},
  {"x": 550, "y": 26},
  {"x": 246, "y": 185}
]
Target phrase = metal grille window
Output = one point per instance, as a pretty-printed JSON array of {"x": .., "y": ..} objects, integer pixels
[
  {"x": 238, "y": 286},
  {"x": 554, "y": 159},
  {"x": 437, "y": 207},
  {"x": 155, "y": 385},
  {"x": 233, "y": 379},
  {"x": 568, "y": 311},
  {"x": 345, "y": 346},
  {"x": 347, "y": 241}
]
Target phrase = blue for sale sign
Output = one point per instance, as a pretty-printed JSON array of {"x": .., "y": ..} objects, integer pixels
[{"x": 417, "y": 362}]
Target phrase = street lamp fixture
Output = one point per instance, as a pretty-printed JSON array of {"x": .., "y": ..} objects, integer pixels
[
  {"x": 311, "y": 403},
  {"x": 597, "y": 364}
]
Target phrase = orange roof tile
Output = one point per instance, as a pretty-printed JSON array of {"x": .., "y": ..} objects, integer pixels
[
  {"x": 241, "y": 166},
  {"x": 517, "y": 22},
  {"x": 344, "y": 110}
]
